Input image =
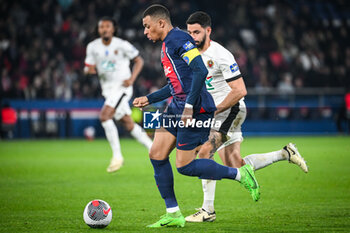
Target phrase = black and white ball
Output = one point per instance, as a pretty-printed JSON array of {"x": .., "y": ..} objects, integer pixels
[{"x": 97, "y": 214}]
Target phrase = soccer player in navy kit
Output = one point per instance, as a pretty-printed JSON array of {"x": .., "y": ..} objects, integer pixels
[{"x": 186, "y": 73}]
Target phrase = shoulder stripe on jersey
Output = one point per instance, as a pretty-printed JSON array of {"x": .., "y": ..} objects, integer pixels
[
  {"x": 233, "y": 78},
  {"x": 190, "y": 55}
]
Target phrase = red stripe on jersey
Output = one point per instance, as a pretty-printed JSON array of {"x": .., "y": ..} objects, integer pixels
[
  {"x": 170, "y": 72},
  {"x": 88, "y": 65}
]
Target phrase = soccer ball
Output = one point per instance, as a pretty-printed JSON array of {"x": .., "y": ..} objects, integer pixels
[
  {"x": 89, "y": 133},
  {"x": 97, "y": 214}
]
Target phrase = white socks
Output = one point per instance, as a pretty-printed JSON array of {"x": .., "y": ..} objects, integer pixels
[
  {"x": 112, "y": 137},
  {"x": 172, "y": 209},
  {"x": 238, "y": 176},
  {"x": 141, "y": 136},
  {"x": 259, "y": 161},
  {"x": 209, "y": 194}
]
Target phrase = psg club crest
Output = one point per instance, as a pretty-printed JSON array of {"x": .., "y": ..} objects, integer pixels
[{"x": 210, "y": 63}]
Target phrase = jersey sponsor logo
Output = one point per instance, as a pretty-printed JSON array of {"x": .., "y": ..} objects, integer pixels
[
  {"x": 108, "y": 66},
  {"x": 167, "y": 70},
  {"x": 234, "y": 67},
  {"x": 188, "y": 46},
  {"x": 210, "y": 63},
  {"x": 208, "y": 81},
  {"x": 106, "y": 53}
]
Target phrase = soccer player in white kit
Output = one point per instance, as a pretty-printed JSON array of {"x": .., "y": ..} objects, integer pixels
[
  {"x": 109, "y": 57},
  {"x": 225, "y": 83}
]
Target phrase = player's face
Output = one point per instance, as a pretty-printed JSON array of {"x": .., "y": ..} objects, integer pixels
[
  {"x": 153, "y": 30},
  {"x": 106, "y": 29},
  {"x": 198, "y": 34}
]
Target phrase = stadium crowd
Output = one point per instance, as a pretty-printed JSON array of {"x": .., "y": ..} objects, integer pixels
[{"x": 277, "y": 44}]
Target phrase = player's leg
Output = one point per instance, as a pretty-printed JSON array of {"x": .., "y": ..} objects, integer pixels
[
  {"x": 231, "y": 155},
  {"x": 207, "y": 212},
  {"x": 208, "y": 149},
  {"x": 111, "y": 131},
  {"x": 136, "y": 131},
  {"x": 123, "y": 113},
  {"x": 289, "y": 152},
  {"x": 187, "y": 141},
  {"x": 209, "y": 169},
  {"x": 163, "y": 144}
]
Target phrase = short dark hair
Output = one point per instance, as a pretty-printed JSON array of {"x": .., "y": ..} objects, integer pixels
[
  {"x": 157, "y": 10},
  {"x": 107, "y": 18},
  {"x": 201, "y": 18}
]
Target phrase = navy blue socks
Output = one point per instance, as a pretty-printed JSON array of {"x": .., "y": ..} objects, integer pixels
[
  {"x": 163, "y": 174},
  {"x": 208, "y": 169}
]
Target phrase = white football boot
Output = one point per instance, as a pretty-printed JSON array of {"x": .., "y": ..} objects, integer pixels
[
  {"x": 292, "y": 154},
  {"x": 115, "y": 165},
  {"x": 201, "y": 216}
]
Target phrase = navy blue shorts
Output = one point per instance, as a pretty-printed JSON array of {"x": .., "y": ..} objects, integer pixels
[{"x": 188, "y": 138}]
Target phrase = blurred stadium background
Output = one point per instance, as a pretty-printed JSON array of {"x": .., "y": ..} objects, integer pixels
[{"x": 294, "y": 56}]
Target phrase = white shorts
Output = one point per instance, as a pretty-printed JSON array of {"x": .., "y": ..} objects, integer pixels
[
  {"x": 231, "y": 121},
  {"x": 119, "y": 100}
]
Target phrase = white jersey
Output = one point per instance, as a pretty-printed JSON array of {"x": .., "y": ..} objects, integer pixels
[
  {"x": 112, "y": 62},
  {"x": 222, "y": 68}
]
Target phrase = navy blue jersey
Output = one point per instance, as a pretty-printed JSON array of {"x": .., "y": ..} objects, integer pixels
[{"x": 178, "y": 50}]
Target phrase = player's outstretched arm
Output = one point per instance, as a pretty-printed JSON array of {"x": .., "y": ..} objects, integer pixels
[
  {"x": 159, "y": 95},
  {"x": 154, "y": 97},
  {"x": 136, "y": 69}
]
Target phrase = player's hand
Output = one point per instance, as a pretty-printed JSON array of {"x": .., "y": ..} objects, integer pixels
[
  {"x": 128, "y": 82},
  {"x": 140, "y": 102},
  {"x": 90, "y": 70},
  {"x": 187, "y": 116}
]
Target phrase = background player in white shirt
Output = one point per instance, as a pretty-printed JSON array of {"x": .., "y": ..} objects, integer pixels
[
  {"x": 225, "y": 83},
  {"x": 109, "y": 57}
]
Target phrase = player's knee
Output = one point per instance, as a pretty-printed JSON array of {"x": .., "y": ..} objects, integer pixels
[
  {"x": 205, "y": 151},
  {"x": 155, "y": 154},
  {"x": 129, "y": 125},
  {"x": 104, "y": 117}
]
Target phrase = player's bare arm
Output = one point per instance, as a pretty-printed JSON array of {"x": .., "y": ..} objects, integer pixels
[
  {"x": 136, "y": 69},
  {"x": 238, "y": 91},
  {"x": 187, "y": 114},
  {"x": 90, "y": 69}
]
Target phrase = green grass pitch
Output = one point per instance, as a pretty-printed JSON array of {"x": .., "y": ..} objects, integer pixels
[{"x": 45, "y": 185}]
